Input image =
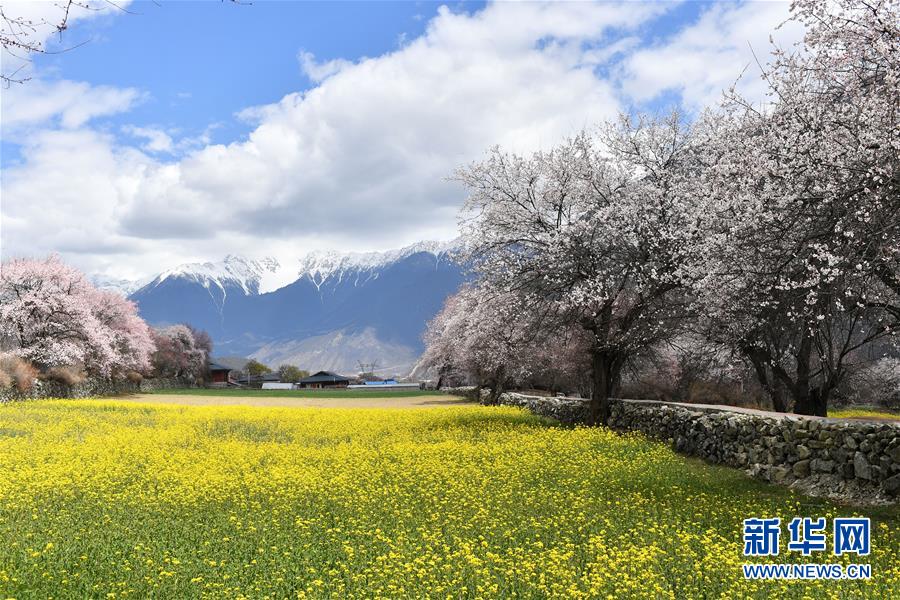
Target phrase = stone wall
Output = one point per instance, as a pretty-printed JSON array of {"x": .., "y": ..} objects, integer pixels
[
  {"x": 846, "y": 459},
  {"x": 570, "y": 411},
  {"x": 89, "y": 388}
]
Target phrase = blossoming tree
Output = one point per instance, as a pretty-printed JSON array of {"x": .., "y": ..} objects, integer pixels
[
  {"x": 51, "y": 315},
  {"x": 181, "y": 352},
  {"x": 802, "y": 205},
  {"x": 595, "y": 233},
  {"x": 479, "y": 336},
  {"x": 494, "y": 340}
]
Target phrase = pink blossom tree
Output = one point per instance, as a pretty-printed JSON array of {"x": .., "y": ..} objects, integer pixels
[
  {"x": 181, "y": 352},
  {"x": 51, "y": 315}
]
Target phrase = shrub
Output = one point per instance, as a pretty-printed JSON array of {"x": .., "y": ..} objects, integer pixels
[
  {"x": 134, "y": 377},
  {"x": 18, "y": 371},
  {"x": 67, "y": 375}
]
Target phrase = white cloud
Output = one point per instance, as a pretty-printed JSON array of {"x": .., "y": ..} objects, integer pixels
[
  {"x": 708, "y": 56},
  {"x": 358, "y": 162},
  {"x": 69, "y": 104},
  {"x": 320, "y": 71},
  {"x": 169, "y": 141},
  {"x": 157, "y": 139},
  {"x": 67, "y": 194}
]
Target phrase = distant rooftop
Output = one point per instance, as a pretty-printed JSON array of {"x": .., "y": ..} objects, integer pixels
[{"x": 325, "y": 377}]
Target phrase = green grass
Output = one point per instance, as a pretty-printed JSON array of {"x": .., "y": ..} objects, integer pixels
[
  {"x": 106, "y": 499},
  {"x": 323, "y": 393}
]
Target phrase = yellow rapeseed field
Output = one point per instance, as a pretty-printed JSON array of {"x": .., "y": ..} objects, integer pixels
[{"x": 112, "y": 500}]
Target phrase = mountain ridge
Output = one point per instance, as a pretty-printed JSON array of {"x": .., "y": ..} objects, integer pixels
[{"x": 350, "y": 303}]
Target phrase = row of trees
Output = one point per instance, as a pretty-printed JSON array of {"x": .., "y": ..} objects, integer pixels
[
  {"x": 52, "y": 317},
  {"x": 771, "y": 231}
]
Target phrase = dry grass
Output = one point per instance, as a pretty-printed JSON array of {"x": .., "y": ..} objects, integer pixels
[
  {"x": 18, "y": 371},
  {"x": 66, "y": 375},
  {"x": 422, "y": 401}
]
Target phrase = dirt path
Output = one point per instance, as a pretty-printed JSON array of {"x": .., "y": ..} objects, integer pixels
[{"x": 400, "y": 402}]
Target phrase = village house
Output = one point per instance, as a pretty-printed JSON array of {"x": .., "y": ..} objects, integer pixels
[
  {"x": 219, "y": 375},
  {"x": 324, "y": 379}
]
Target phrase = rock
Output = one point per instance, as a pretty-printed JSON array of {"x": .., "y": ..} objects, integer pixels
[
  {"x": 894, "y": 453},
  {"x": 780, "y": 474},
  {"x": 803, "y": 452},
  {"x": 850, "y": 442},
  {"x": 892, "y": 485},
  {"x": 847, "y": 471},
  {"x": 861, "y": 467},
  {"x": 822, "y": 466},
  {"x": 801, "y": 468}
]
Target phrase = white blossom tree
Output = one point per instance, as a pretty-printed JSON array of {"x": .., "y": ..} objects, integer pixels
[
  {"x": 51, "y": 315},
  {"x": 498, "y": 340},
  {"x": 801, "y": 205},
  {"x": 482, "y": 337},
  {"x": 595, "y": 232}
]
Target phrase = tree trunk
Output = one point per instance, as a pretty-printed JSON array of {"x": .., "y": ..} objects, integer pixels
[
  {"x": 802, "y": 402},
  {"x": 779, "y": 404},
  {"x": 605, "y": 378},
  {"x": 497, "y": 386},
  {"x": 768, "y": 381},
  {"x": 812, "y": 402},
  {"x": 809, "y": 400}
]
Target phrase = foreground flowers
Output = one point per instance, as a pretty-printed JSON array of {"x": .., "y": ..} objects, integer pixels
[{"x": 114, "y": 500}]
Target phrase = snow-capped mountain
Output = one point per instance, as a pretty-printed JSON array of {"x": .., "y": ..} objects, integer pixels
[
  {"x": 325, "y": 310},
  {"x": 233, "y": 271},
  {"x": 122, "y": 286},
  {"x": 329, "y": 266}
]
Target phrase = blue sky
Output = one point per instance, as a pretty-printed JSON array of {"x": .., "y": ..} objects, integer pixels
[
  {"x": 190, "y": 130},
  {"x": 201, "y": 62}
]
